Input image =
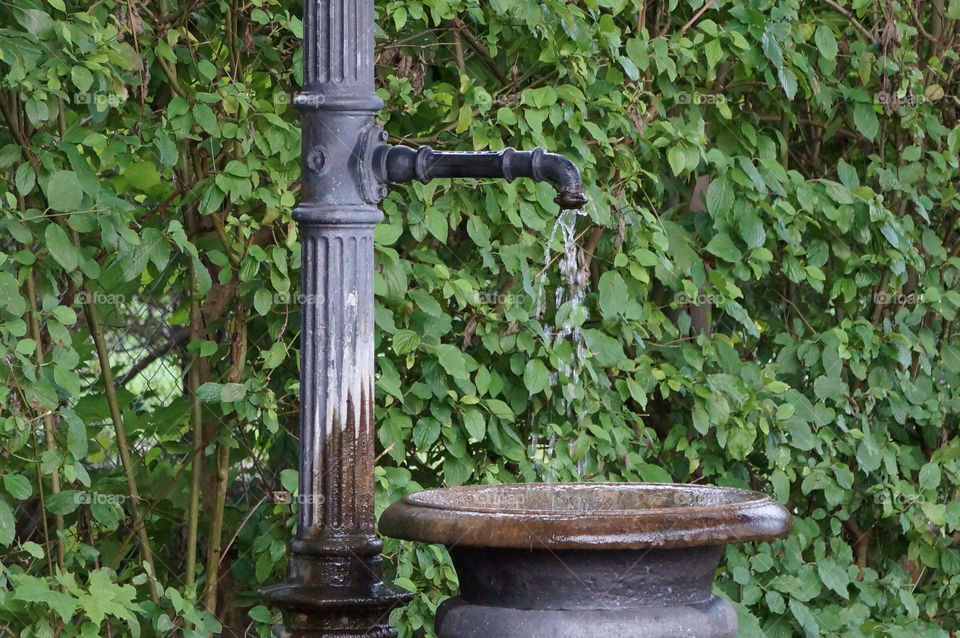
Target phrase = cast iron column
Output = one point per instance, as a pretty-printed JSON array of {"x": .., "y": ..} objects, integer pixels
[{"x": 334, "y": 585}]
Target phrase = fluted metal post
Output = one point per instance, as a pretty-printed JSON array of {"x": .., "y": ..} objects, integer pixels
[{"x": 334, "y": 586}]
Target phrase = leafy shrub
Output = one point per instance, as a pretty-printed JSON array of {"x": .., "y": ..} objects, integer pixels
[{"x": 773, "y": 263}]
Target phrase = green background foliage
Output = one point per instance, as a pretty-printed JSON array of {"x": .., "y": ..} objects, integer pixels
[{"x": 772, "y": 254}]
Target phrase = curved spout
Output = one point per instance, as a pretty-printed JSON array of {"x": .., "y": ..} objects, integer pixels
[{"x": 400, "y": 164}]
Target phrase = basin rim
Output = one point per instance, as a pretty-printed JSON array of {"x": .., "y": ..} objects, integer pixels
[{"x": 714, "y": 516}]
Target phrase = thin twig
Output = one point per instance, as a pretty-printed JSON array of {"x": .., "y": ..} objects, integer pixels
[
  {"x": 690, "y": 22},
  {"x": 48, "y": 424}
]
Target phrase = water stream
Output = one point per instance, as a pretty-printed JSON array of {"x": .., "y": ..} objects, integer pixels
[{"x": 570, "y": 314}]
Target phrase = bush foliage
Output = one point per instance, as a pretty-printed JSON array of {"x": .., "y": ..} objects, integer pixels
[{"x": 772, "y": 253}]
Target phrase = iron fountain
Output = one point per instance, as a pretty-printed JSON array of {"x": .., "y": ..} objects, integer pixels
[{"x": 673, "y": 535}]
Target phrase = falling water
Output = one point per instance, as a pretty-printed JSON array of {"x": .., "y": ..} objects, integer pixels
[{"x": 573, "y": 292}]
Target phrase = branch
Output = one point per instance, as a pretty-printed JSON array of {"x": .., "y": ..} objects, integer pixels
[
  {"x": 861, "y": 543},
  {"x": 481, "y": 50},
  {"x": 849, "y": 16},
  {"x": 196, "y": 414},
  {"x": 917, "y": 23},
  {"x": 110, "y": 390},
  {"x": 590, "y": 248},
  {"x": 174, "y": 341},
  {"x": 238, "y": 350}
]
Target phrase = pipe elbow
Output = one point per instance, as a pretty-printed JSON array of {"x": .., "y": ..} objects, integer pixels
[{"x": 563, "y": 174}]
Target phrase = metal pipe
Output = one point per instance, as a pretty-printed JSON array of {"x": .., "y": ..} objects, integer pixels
[{"x": 398, "y": 164}]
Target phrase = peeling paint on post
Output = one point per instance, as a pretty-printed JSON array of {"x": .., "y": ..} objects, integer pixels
[{"x": 333, "y": 585}]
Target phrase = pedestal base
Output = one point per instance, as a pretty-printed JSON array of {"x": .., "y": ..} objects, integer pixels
[
  {"x": 332, "y": 612},
  {"x": 335, "y": 591},
  {"x": 714, "y": 618}
]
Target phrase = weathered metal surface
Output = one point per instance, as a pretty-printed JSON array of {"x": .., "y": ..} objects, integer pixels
[
  {"x": 404, "y": 164},
  {"x": 579, "y": 515},
  {"x": 659, "y": 593},
  {"x": 334, "y": 585},
  {"x": 714, "y": 618},
  {"x": 586, "y": 560}
]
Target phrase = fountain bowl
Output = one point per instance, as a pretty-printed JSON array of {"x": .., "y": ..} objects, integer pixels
[{"x": 586, "y": 560}]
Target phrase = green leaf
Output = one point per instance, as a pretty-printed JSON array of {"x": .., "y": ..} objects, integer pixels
[
  {"x": 752, "y": 230},
  {"x": 61, "y": 247},
  {"x": 475, "y": 424},
  {"x": 10, "y": 299},
  {"x": 499, "y": 409},
  {"x": 771, "y": 48},
  {"x": 231, "y": 392},
  {"x": 950, "y": 355},
  {"x": 76, "y": 437},
  {"x": 81, "y": 77},
  {"x": 209, "y": 392},
  {"x": 8, "y": 526},
  {"x": 801, "y": 436},
  {"x": 719, "y": 197},
  {"x": 206, "y": 69},
  {"x": 405, "y": 341},
  {"x": 400, "y": 18},
  {"x": 425, "y": 433},
  {"x": 788, "y": 80},
  {"x": 848, "y": 175},
  {"x": 63, "y": 503},
  {"x": 212, "y": 199},
  {"x": 18, "y": 486},
  {"x": 37, "y": 112},
  {"x": 37, "y": 22},
  {"x": 206, "y": 119},
  {"x": 714, "y": 52},
  {"x": 66, "y": 316},
  {"x": 723, "y": 247},
  {"x": 613, "y": 294},
  {"x": 930, "y": 476},
  {"x": 536, "y": 376},
  {"x": 834, "y": 576},
  {"x": 25, "y": 179},
  {"x": 290, "y": 480},
  {"x": 26, "y": 346},
  {"x": 676, "y": 156},
  {"x": 464, "y": 119},
  {"x": 805, "y": 617},
  {"x": 451, "y": 359},
  {"x": 36, "y": 590},
  {"x": 826, "y": 42},
  {"x": 33, "y": 549},
  {"x": 263, "y": 301},
  {"x": 865, "y": 120},
  {"x": 63, "y": 191},
  {"x": 142, "y": 175}
]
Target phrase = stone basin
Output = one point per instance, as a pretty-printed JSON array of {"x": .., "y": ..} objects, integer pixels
[{"x": 586, "y": 560}]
